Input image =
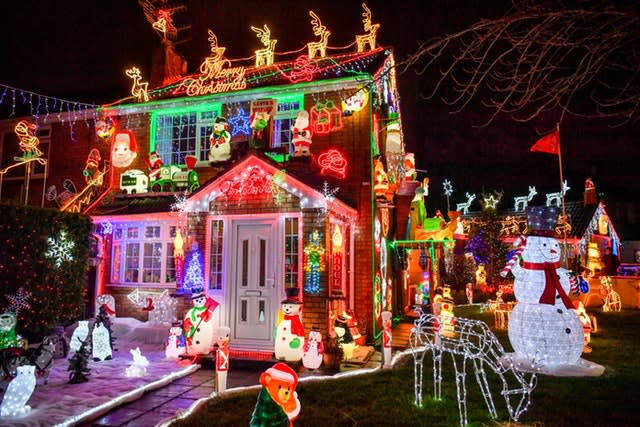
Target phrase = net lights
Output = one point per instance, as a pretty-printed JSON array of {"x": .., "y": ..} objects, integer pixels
[{"x": 314, "y": 263}]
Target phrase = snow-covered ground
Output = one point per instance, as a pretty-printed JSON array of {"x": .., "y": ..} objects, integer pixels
[{"x": 59, "y": 403}]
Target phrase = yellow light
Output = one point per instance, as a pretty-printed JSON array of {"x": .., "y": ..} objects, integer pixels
[
  {"x": 139, "y": 88},
  {"x": 26, "y": 131},
  {"x": 319, "y": 47},
  {"x": 264, "y": 57},
  {"x": 336, "y": 239},
  {"x": 369, "y": 38}
]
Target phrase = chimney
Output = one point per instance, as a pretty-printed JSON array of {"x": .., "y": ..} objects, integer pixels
[
  {"x": 167, "y": 65},
  {"x": 589, "y": 195}
]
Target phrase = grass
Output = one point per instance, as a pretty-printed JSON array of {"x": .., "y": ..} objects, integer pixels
[{"x": 385, "y": 398}]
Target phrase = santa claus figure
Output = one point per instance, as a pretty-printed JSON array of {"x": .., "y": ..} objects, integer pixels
[
  {"x": 409, "y": 167},
  {"x": 154, "y": 163},
  {"x": 222, "y": 357},
  {"x": 123, "y": 150},
  {"x": 381, "y": 181},
  {"x": 301, "y": 135},
  {"x": 91, "y": 172},
  {"x": 386, "y": 338}
]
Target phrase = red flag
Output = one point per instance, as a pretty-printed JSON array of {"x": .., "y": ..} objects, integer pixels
[{"x": 549, "y": 143}]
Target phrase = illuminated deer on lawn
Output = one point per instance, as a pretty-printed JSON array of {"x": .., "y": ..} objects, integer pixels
[
  {"x": 139, "y": 89},
  {"x": 554, "y": 199},
  {"x": 264, "y": 56},
  {"x": 370, "y": 38},
  {"x": 464, "y": 207},
  {"x": 319, "y": 47},
  {"x": 523, "y": 201}
]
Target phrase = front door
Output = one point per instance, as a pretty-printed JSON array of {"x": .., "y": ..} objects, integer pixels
[{"x": 255, "y": 288}]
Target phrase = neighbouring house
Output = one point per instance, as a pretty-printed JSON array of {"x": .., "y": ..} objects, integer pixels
[{"x": 242, "y": 180}]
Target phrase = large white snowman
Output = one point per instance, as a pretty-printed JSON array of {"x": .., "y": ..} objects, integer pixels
[
  {"x": 543, "y": 328},
  {"x": 289, "y": 343}
]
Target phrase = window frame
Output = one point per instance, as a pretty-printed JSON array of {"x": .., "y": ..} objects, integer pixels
[
  {"x": 123, "y": 242},
  {"x": 201, "y": 140},
  {"x": 286, "y": 115}
]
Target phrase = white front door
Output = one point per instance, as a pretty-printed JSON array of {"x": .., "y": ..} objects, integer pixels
[{"x": 254, "y": 288}]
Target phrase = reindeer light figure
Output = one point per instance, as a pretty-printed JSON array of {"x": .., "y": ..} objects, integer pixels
[
  {"x": 264, "y": 57},
  {"x": 370, "y": 38},
  {"x": 554, "y": 199},
  {"x": 521, "y": 202},
  {"x": 464, "y": 207},
  {"x": 319, "y": 47},
  {"x": 139, "y": 88},
  {"x": 212, "y": 65}
]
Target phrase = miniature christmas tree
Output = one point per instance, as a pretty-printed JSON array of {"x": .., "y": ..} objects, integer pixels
[
  {"x": 78, "y": 365},
  {"x": 194, "y": 276}
]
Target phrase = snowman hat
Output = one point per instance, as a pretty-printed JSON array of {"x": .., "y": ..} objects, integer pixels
[
  {"x": 292, "y": 296},
  {"x": 198, "y": 293},
  {"x": 282, "y": 371}
]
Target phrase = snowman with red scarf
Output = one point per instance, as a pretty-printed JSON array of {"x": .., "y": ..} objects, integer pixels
[
  {"x": 543, "y": 328},
  {"x": 289, "y": 344}
]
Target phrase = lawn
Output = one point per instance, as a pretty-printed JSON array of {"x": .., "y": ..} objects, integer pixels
[{"x": 385, "y": 398}]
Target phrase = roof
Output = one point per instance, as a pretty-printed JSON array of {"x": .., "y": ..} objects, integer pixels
[
  {"x": 580, "y": 219},
  {"x": 298, "y": 70},
  {"x": 223, "y": 186}
]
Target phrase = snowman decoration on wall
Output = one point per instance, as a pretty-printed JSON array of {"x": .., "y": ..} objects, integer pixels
[
  {"x": 543, "y": 328},
  {"x": 220, "y": 141},
  {"x": 198, "y": 324},
  {"x": 290, "y": 333}
]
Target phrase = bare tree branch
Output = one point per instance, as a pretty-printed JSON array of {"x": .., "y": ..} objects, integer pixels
[{"x": 541, "y": 57}]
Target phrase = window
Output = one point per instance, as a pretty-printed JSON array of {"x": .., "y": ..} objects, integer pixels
[
  {"x": 291, "y": 250},
  {"x": 215, "y": 270},
  {"x": 181, "y": 132},
  {"x": 143, "y": 254},
  {"x": 286, "y": 112}
]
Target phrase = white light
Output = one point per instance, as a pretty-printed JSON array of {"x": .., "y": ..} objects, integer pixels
[{"x": 14, "y": 403}]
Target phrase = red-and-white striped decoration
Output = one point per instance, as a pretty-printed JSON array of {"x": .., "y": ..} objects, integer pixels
[{"x": 520, "y": 243}]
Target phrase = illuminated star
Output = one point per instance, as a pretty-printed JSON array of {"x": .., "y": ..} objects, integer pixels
[
  {"x": 448, "y": 187},
  {"x": 18, "y": 301},
  {"x": 240, "y": 123},
  {"x": 491, "y": 202},
  {"x": 107, "y": 227}
]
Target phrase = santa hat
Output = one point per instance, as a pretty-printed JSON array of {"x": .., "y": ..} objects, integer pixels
[
  {"x": 130, "y": 136},
  {"x": 282, "y": 371}
]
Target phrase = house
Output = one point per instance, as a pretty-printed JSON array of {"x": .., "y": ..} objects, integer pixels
[{"x": 245, "y": 180}]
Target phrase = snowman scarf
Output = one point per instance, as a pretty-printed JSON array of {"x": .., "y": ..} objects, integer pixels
[
  {"x": 296, "y": 325},
  {"x": 551, "y": 282}
]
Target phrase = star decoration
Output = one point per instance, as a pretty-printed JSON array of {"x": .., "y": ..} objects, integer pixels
[
  {"x": 60, "y": 249},
  {"x": 240, "y": 123},
  {"x": 447, "y": 187},
  {"x": 107, "y": 227},
  {"x": 490, "y": 202},
  {"x": 19, "y": 301}
]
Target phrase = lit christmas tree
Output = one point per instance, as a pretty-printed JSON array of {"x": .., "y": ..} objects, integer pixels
[
  {"x": 314, "y": 263},
  {"x": 487, "y": 247},
  {"x": 194, "y": 277},
  {"x": 78, "y": 365}
]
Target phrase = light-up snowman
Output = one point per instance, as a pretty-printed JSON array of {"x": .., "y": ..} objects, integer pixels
[{"x": 543, "y": 327}]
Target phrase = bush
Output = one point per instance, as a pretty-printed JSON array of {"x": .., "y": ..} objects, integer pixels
[{"x": 28, "y": 260}]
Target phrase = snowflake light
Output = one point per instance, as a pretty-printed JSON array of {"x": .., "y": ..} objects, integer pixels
[
  {"x": 60, "y": 249},
  {"x": 181, "y": 204},
  {"x": 18, "y": 301},
  {"x": 447, "y": 187}
]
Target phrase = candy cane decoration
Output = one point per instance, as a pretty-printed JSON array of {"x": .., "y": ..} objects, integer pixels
[
  {"x": 520, "y": 243},
  {"x": 573, "y": 282}
]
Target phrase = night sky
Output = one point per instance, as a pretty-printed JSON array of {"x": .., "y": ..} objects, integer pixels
[{"x": 78, "y": 50}]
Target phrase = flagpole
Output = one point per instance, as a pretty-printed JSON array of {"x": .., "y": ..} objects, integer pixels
[{"x": 564, "y": 212}]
